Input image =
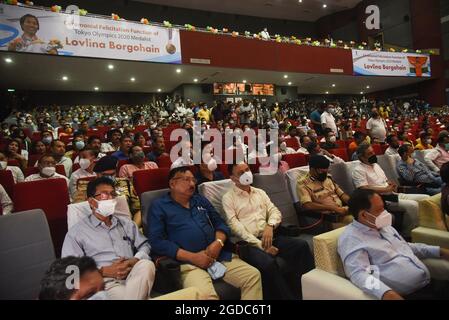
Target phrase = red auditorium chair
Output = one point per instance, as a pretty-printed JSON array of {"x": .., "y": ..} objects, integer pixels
[
  {"x": 340, "y": 152},
  {"x": 223, "y": 168},
  {"x": 384, "y": 147},
  {"x": 52, "y": 196},
  {"x": 149, "y": 180},
  {"x": 121, "y": 163},
  {"x": 7, "y": 181},
  {"x": 13, "y": 163},
  {"x": 36, "y": 136},
  {"x": 292, "y": 143},
  {"x": 377, "y": 149},
  {"x": 164, "y": 162},
  {"x": 295, "y": 160},
  {"x": 75, "y": 167},
  {"x": 341, "y": 144},
  {"x": 32, "y": 159}
]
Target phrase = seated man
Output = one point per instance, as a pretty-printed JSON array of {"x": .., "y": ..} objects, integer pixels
[
  {"x": 393, "y": 146},
  {"x": 113, "y": 141},
  {"x": 377, "y": 259},
  {"x": 94, "y": 143},
  {"x": 314, "y": 149},
  {"x": 57, "y": 149},
  {"x": 369, "y": 175},
  {"x": 158, "y": 147},
  {"x": 424, "y": 142},
  {"x": 253, "y": 218},
  {"x": 438, "y": 156},
  {"x": 137, "y": 159},
  {"x": 304, "y": 140},
  {"x": 185, "y": 226},
  {"x": 47, "y": 170},
  {"x": 359, "y": 137},
  {"x": 329, "y": 140},
  {"x": 87, "y": 163},
  {"x": 414, "y": 172},
  {"x": 6, "y": 205},
  {"x": 17, "y": 173},
  {"x": 318, "y": 192},
  {"x": 125, "y": 147},
  {"x": 115, "y": 243}
]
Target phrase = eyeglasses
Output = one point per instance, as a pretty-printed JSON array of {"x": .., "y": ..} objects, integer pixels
[
  {"x": 186, "y": 179},
  {"x": 106, "y": 195}
]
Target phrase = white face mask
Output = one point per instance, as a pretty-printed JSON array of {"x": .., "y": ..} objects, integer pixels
[
  {"x": 212, "y": 165},
  {"x": 49, "y": 171},
  {"x": 333, "y": 139},
  {"x": 3, "y": 164},
  {"x": 84, "y": 163},
  {"x": 283, "y": 146},
  {"x": 246, "y": 179},
  {"x": 383, "y": 220},
  {"x": 106, "y": 207}
]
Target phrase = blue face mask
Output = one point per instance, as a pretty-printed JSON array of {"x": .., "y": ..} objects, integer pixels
[
  {"x": 446, "y": 146},
  {"x": 79, "y": 145},
  {"x": 217, "y": 270},
  {"x": 100, "y": 295}
]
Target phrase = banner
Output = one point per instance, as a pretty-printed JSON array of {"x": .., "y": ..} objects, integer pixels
[
  {"x": 38, "y": 31},
  {"x": 377, "y": 63}
]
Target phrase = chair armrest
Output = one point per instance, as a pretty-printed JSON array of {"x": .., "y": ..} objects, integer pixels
[
  {"x": 328, "y": 217},
  {"x": 168, "y": 275},
  {"x": 321, "y": 285},
  {"x": 431, "y": 237}
]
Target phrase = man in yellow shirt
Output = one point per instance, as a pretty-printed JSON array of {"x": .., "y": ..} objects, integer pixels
[
  {"x": 424, "y": 142},
  {"x": 204, "y": 113}
]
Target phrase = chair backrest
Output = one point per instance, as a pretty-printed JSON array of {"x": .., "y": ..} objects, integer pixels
[
  {"x": 292, "y": 143},
  {"x": 342, "y": 153},
  {"x": 50, "y": 195},
  {"x": 295, "y": 160},
  {"x": 7, "y": 181},
  {"x": 33, "y": 170},
  {"x": 146, "y": 199},
  {"x": 164, "y": 162},
  {"x": 430, "y": 214},
  {"x": 342, "y": 174},
  {"x": 121, "y": 163},
  {"x": 388, "y": 165},
  {"x": 26, "y": 252},
  {"x": 148, "y": 180},
  {"x": 214, "y": 192},
  {"x": 292, "y": 177},
  {"x": 80, "y": 210},
  {"x": 13, "y": 163},
  {"x": 32, "y": 159},
  {"x": 276, "y": 188},
  {"x": 325, "y": 251},
  {"x": 377, "y": 149}
]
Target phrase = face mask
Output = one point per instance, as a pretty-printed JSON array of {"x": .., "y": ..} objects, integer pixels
[
  {"x": 106, "y": 207},
  {"x": 100, "y": 295},
  {"x": 372, "y": 159},
  {"x": 3, "y": 164},
  {"x": 383, "y": 220},
  {"x": 283, "y": 146},
  {"x": 84, "y": 163},
  {"x": 79, "y": 145},
  {"x": 331, "y": 110},
  {"x": 428, "y": 141},
  {"x": 375, "y": 114},
  {"x": 47, "y": 140},
  {"x": 321, "y": 176},
  {"x": 446, "y": 146},
  {"x": 212, "y": 165},
  {"x": 49, "y": 171},
  {"x": 333, "y": 139},
  {"x": 246, "y": 179}
]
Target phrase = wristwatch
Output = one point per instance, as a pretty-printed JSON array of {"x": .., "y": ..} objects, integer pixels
[
  {"x": 271, "y": 225},
  {"x": 221, "y": 242}
]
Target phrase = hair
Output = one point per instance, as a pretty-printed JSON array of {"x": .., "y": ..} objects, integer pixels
[
  {"x": 45, "y": 156},
  {"x": 53, "y": 285},
  {"x": 92, "y": 138},
  {"x": 361, "y": 149},
  {"x": 33, "y": 146},
  {"x": 358, "y": 135},
  {"x": 137, "y": 136},
  {"x": 92, "y": 185},
  {"x": 9, "y": 141},
  {"x": 403, "y": 149},
  {"x": 174, "y": 171},
  {"x": 79, "y": 132},
  {"x": 444, "y": 172},
  {"x": 111, "y": 132},
  {"x": 92, "y": 152},
  {"x": 53, "y": 142},
  {"x": 390, "y": 138},
  {"x": 123, "y": 137},
  {"x": 360, "y": 200},
  {"x": 23, "y": 18},
  {"x": 301, "y": 138},
  {"x": 311, "y": 147},
  {"x": 327, "y": 131}
]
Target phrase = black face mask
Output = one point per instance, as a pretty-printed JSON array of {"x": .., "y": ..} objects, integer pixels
[
  {"x": 321, "y": 176},
  {"x": 372, "y": 159},
  {"x": 375, "y": 114}
]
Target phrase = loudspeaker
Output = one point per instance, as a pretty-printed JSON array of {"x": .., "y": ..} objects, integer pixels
[
  {"x": 206, "y": 88},
  {"x": 283, "y": 91}
]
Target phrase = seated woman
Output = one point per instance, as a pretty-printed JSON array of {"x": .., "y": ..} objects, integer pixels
[
  {"x": 38, "y": 148},
  {"x": 137, "y": 159},
  {"x": 13, "y": 151}
]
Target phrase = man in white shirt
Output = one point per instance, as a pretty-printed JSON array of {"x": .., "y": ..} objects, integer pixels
[
  {"x": 376, "y": 126},
  {"x": 369, "y": 175},
  {"x": 57, "y": 149},
  {"x": 393, "y": 146},
  {"x": 5, "y": 201},
  {"x": 87, "y": 163},
  {"x": 113, "y": 143},
  {"x": 47, "y": 170},
  {"x": 438, "y": 156},
  {"x": 328, "y": 120},
  {"x": 17, "y": 174},
  {"x": 253, "y": 218}
]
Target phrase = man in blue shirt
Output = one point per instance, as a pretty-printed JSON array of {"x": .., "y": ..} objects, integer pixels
[
  {"x": 158, "y": 146},
  {"x": 315, "y": 118},
  {"x": 378, "y": 260},
  {"x": 186, "y": 227},
  {"x": 125, "y": 146}
]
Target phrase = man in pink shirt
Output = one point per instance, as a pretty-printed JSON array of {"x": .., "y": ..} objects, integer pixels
[
  {"x": 137, "y": 159},
  {"x": 438, "y": 156}
]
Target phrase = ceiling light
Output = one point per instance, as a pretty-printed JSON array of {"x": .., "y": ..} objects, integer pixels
[
  {"x": 361, "y": 92},
  {"x": 290, "y": 83},
  {"x": 159, "y": 90},
  {"x": 285, "y": 76},
  {"x": 96, "y": 88},
  {"x": 327, "y": 92},
  {"x": 11, "y": 90},
  {"x": 111, "y": 67},
  {"x": 65, "y": 78},
  {"x": 132, "y": 79},
  {"x": 195, "y": 80},
  {"x": 178, "y": 70},
  {"x": 8, "y": 60},
  {"x": 300, "y": 1},
  {"x": 333, "y": 85},
  {"x": 244, "y": 81},
  {"x": 324, "y": 5},
  {"x": 367, "y": 87}
]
